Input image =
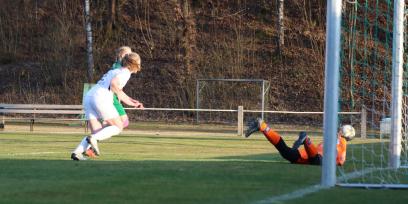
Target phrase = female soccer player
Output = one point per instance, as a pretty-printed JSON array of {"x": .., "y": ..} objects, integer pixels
[
  {"x": 98, "y": 105},
  {"x": 120, "y": 53},
  {"x": 310, "y": 154}
]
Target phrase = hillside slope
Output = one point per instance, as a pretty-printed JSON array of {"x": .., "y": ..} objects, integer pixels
[{"x": 43, "y": 55}]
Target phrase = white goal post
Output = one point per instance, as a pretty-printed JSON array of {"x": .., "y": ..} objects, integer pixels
[
  {"x": 331, "y": 91},
  {"x": 264, "y": 88},
  {"x": 384, "y": 168}
]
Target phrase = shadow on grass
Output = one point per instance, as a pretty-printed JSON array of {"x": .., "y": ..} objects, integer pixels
[
  {"x": 62, "y": 181},
  {"x": 269, "y": 157}
]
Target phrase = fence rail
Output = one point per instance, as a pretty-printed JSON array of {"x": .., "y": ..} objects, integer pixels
[
  {"x": 62, "y": 109},
  {"x": 240, "y": 115}
]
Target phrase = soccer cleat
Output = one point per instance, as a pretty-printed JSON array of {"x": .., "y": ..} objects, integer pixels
[
  {"x": 77, "y": 157},
  {"x": 300, "y": 140},
  {"x": 90, "y": 153},
  {"x": 252, "y": 126},
  {"x": 94, "y": 144}
]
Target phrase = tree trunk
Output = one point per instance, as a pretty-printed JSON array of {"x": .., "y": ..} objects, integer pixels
[
  {"x": 281, "y": 27},
  {"x": 112, "y": 15},
  {"x": 88, "y": 31},
  {"x": 188, "y": 36},
  {"x": 187, "y": 39}
]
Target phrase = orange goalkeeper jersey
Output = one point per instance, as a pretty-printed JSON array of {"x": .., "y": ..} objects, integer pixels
[{"x": 341, "y": 152}]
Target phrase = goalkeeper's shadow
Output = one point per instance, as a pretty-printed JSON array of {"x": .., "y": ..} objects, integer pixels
[{"x": 267, "y": 157}]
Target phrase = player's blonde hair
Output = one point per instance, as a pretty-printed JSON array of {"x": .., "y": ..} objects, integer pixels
[
  {"x": 132, "y": 61},
  {"x": 122, "y": 52}
]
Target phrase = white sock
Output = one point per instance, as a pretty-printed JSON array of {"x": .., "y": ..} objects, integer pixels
[
  {"x": 82, "y": 147},
  {"x": 107, "y": 133}
]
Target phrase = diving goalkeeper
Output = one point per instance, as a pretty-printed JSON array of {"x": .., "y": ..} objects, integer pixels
[{"x": 311, "y": 154}]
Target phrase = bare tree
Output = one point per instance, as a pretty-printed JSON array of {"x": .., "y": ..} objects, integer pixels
[
  {"x": 88, "y": 31},
  {"x": 112, "y": 14},
  {"x": 281, "y": 26},
  {"x": 188, "y": 35}
]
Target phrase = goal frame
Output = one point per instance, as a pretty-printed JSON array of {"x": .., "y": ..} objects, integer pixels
[
  {"x": 332, "y": 65},
  {"x": 265, "y": 85}
]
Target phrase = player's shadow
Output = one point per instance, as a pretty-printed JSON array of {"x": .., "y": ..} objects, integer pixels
[
  {"x": 145, "y": 181},
  {"x": 267, "y": 157}
]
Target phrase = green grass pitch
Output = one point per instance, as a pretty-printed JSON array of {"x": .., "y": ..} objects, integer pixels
[{"x": 158, "y": 166}]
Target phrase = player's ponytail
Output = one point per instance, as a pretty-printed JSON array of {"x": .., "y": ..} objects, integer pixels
[
  {"x": 132, "y": 61},
  {"x": 122, "y": 52}
]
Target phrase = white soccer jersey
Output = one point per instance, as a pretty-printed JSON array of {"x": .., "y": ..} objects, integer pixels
[
  {"x": 123, "y": 74},
  {"x": 98, "y": 101}
]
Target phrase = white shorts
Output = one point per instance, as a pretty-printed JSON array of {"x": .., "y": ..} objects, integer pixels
[{"x": 98, "y": 104}]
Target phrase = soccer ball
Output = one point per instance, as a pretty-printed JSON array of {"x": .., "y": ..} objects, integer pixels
[{"x": 348, "y": 132}]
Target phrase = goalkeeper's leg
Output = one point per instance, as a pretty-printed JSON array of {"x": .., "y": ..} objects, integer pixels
[
  {"x": 314, "y": 157},
  {"x": 273, "y": 137}
]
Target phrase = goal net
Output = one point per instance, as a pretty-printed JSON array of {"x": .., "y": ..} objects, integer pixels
[
  {"x": 228, "y": 94},
  {"x": 366, "y": 77}
]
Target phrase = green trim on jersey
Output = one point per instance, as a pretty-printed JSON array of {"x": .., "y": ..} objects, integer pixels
[
  {"x": 116, "y": 65},
  {"x": 116, "y": 103}
]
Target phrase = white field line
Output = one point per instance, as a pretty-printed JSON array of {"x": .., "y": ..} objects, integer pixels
[
  {"x": 368, "y": 185},
  {"x": 310, "y": 189},
  {"x": 148, "y": 158},
  {"x": 292, "y": 195},
  {"x": 356, "y": 174},
  {"x": 31, "y": 153}
]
